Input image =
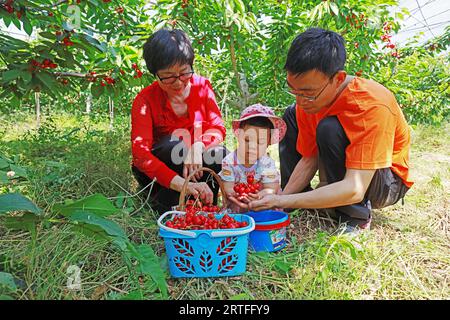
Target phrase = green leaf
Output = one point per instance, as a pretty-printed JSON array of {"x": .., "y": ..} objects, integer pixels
[
  {"x": 283, "y": 266},
  {"x": 334, "y": 8},
  {"x": 3, "y": 163},
  {"x": 17, "y": 202},
  {"x": 48, "y": 80},
  {"x": 111, "y": 228},
  {"x": 10, "y": 75},
  {"x": 148, "y": 263},
  {"x": 47, "y": 35},
  {"x": 97, "y": 91},
  {"x": 96, "y": 203},
  {"x": 3, "y": 178},
  {"x": 25, "y": 222},
  {"x": 17, "y": 23},
  {"x": 26, "y": 76},
  {"x": 27, "y": 25},
  {"x": 242, "y": 296},
  {"x": 20, "y": 172},
  {"x": 7, "y": 281}
]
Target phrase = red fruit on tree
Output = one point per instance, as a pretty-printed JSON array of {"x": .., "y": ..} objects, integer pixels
[{"x": 390, "y": 45}]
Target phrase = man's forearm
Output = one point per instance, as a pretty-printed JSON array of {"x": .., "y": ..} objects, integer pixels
[
  {"x": 330, "y": 196},
  {"x": 302, "y": 175}
]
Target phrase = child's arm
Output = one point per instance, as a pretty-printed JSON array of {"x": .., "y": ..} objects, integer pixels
[{"x": 272, "y": 187}]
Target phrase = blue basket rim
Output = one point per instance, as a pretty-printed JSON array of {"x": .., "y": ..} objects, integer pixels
[
  {"x": 284, "y": 218},
  {"x": 214, "y": 233}
]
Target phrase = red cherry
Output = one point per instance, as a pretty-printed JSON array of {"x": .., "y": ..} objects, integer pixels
[{"x": 390, "y": 45}]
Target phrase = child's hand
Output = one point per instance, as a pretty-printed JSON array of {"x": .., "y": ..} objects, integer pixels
[{"x": 241, "y": 202}]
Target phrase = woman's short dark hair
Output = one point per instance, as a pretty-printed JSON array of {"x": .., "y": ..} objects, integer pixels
[
  {"x": 260, "y": 122},
  {"x": 316, "y": 49},
  {"x": 166, "y": 48}
]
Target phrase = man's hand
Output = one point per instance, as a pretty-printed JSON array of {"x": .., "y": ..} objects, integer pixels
[
  {"x": 266, "y": 201},
  {"x": 194, "y": 161}
]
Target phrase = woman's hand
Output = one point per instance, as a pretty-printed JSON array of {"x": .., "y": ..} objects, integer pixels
[
  {"x": 194, "y": 161},
  {"x": 200, "y": 189}
]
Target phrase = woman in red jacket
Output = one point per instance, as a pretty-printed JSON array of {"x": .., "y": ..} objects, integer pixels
[{"x": 176, "y": 124}]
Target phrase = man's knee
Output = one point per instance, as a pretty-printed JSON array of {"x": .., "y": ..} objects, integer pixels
[{"x": 328, "y": 128}]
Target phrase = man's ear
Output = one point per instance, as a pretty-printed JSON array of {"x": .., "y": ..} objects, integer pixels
[{"x": 340, "y": 77}]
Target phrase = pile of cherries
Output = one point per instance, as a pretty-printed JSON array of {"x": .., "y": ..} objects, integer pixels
[
  {"x": 202, "y": 217},
  {"x": 243, "y": 189}
]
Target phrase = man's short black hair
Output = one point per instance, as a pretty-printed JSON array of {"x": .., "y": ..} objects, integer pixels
[
  {"x": 260, "y": 122},
  {"x": 316, "y": 49},
  {"x": 166, "y": 48}
]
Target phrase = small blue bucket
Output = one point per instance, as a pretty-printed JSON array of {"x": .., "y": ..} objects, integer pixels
[{"x": 270, "y": 230}]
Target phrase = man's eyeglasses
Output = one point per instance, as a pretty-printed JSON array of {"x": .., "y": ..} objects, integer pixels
[
  {"x": 311, "y": 98},
  {"x": 182, "y": 77}
]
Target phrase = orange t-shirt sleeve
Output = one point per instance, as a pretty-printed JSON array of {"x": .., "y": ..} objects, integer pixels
[
  {"x": 371, "y": 139},
  {"x": 306, "y": 140}
]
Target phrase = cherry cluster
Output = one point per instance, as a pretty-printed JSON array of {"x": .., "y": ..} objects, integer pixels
[
  {"x": 138, "y": 71},
  {"x": 67, "y": 42},
  {"x": 108, "y": 80},
  {"x": 244, "y": 189},
  {"x": 202, "y": 217},
  {"x": 387, "y": 38},
  {"x": 46, "y": 64},
  {"x": 8, "y": 6}
]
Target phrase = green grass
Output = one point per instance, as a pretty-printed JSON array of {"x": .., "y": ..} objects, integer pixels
[{"x": 404, "y": 256}]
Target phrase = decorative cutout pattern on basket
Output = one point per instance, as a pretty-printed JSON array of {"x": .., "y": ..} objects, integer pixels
[
  {"x": 226, "y": 246},
  {"x": 228, "y": 263},
  {"x": 183, "y": 247},
  {"x": 206, "y": 261},
  {"x": 184, "y": 265}
]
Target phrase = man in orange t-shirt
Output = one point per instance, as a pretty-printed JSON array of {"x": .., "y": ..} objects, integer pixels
[{"x": 350, "y": 129}]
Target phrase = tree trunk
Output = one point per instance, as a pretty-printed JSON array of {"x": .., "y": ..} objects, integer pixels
[
  {"x": 233, "y": 60},
  {"x": 89, "y": 103},
  {"x": 38, "y": 108},
  {"x": 111, "y": 114}
]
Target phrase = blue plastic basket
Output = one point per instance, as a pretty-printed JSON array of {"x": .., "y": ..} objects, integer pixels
[
  {"x": 206, "y": 253},
  {"x": 270, "y": 230}
]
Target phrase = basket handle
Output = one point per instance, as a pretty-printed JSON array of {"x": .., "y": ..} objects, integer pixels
[{"x": 182, "y": 201}]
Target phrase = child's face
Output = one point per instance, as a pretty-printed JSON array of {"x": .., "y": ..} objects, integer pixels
[{"x": 253, "y": 142}]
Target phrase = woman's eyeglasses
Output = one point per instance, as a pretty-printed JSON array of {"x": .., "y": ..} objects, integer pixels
[{"x": 182, "y": 77}]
